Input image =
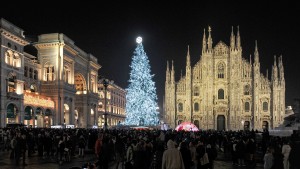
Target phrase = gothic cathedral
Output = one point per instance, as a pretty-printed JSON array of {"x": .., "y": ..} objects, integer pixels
[{"x": 224, "y": 91}]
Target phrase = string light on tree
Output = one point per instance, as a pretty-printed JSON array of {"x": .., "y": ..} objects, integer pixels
[{"x": 141, "y": 98}]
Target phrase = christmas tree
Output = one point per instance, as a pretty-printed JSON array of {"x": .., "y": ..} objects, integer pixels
[{"x": 141, "y": 105}]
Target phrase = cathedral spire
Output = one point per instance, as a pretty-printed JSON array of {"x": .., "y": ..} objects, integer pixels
[
  {"x": 204, "y": 43},
  {"x": 168, "y": 66},
  {"x": 256, "y": 54},
  {"x": 232, "y": 40},
  {"x": 238, "y": 39},
  {"x": 181, "y": 74},
  {"x": 188, "y": 58},
  {"x": 267, "y": 74},
  {"x": 250, "y": 59},
  {"x": 172, "y": 73},
  {"x": 209, "y": 41},
  {"x": 275, "y": 70},
  {"x": 281, "y": 70},
  {"x": 167, "y": 73}
]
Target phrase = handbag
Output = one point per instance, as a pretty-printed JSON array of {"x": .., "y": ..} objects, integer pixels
[{"x": 204, "y": 160}]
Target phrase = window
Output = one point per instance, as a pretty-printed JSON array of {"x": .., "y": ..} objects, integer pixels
[
  {"x": 220, "y": 94},
  {"x": 11, "y": 84},
  {"x": 265, "y": 106},
  {"x": 35, "y": 74},
  {"x": 30, "y": 73},
  {"x": 247, "y": 107},
  {"x": 66, "y": 74},
  {"x": 180, "y": 107},
  {"x": 25, "y": 71},
  {"x": 16, "y": 60},
  {"x": 49, "y": 72},
  {"x": 247, "y": 90},
  {"x": 196, "y": 91},
  {"x": 221, "y": 70},
  {"x": 196, "y": 107}
]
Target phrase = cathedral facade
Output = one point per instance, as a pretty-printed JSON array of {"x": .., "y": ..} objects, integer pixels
[{"x": 224, "y": 91}]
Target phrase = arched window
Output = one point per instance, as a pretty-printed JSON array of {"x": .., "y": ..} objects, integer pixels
[
  {"x": 8, "y": 57},
  {"x": 35, "y": 74},
  {"x": 11, "y": 83},
  {"x": 66, "y": 74},
  {"x": 247, "y": 106},
  {"x": 25, "y": 71},
  {"x": 49, "y": 72},
  {"x": 247, "y": 90},
  {"x": 196, "y": 91},
  {"x": 30, "y": 72},
  {"x": 196, "y": 107},
  {"x": 221, "y": 70},
  {"x": 180, "y": 107},
  {"x": 265, "y": 106},
  {"x": 80, "y": 83},
  {"x": 220, "y": 94},
  {"x": 16, "y": 60}
]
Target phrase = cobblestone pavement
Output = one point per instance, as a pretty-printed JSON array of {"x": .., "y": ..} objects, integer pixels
[{"x": 36, "y": 162}]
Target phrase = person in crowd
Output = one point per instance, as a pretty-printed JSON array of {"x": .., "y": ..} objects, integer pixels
[
  {"x": 268, "y": 159},
  {"x": 98, "y": 147},
  {"x": 172, "y": 158},
  {"x": 212, "y": 154},
  {"x": 192, "y": 147},
  {"x": 286, "y": 149},
  {"x": 186, "y": 155},
  {"x": 81, "y": 146}
]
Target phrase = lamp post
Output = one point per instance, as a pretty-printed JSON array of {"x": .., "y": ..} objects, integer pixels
[{"x": 105, "y": 83}]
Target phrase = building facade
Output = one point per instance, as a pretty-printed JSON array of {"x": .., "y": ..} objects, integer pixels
[
  {"x": 112, "y": 101},
  {"x": 224, "y": 91},
  {"x": 56, "y": 87}
]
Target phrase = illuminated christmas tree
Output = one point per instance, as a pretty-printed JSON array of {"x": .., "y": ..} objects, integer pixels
[{"x": 141, "y": 98}]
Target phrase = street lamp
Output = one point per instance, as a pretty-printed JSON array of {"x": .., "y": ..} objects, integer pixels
[{"x": 105, "y": 83}]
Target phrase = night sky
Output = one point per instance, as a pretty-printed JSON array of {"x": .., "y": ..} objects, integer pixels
[{"x": 108, "y": 31}]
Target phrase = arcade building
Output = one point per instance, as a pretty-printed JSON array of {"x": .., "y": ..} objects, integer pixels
[{"x": 57, "y": 86}]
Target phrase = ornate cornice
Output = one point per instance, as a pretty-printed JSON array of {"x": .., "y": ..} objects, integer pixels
[
  {"x": 48, "y": 45},
  {"x": 14, "y": 38}
]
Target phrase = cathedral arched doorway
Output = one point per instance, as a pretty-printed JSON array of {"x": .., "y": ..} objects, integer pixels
[
  {"x": 179, "y": 122},
  {"x": 265, "y": 125},
  {"x": 247, "y": 125},
  {"x": 221, "y": 122},
  {"x": 12, "y": 115},
  {"x": 196, "y": 122}
]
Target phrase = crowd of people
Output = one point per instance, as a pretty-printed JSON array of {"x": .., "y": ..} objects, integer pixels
[{"x": 153, "y": 149}]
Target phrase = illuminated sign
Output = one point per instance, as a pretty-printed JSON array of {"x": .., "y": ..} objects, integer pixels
[{"x": 38, "y": 100}]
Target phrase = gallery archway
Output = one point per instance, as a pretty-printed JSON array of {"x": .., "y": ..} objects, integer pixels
[
  {"x": 39, "y": 116},
  {"x": 12, "y": 115}
]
